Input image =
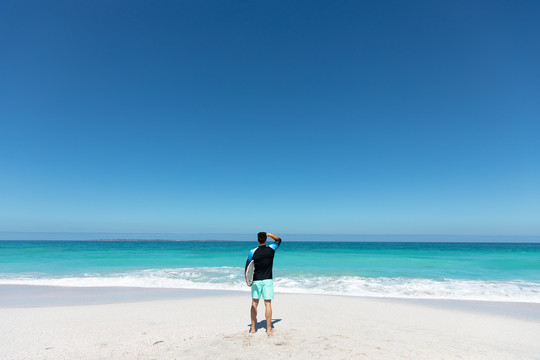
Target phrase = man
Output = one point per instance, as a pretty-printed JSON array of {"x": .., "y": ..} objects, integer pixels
[{"x": 262, "y": 278}]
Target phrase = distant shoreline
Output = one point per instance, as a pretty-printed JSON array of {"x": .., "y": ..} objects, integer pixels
[
  {"x": 132, "y": 236},
  {"x": 290, "y": 241}
]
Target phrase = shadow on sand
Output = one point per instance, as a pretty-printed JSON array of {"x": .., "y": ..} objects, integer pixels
[{"x": 262, "y": 324}]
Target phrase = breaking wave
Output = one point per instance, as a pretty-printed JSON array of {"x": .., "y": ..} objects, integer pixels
[{"x": 232, "y": 278}]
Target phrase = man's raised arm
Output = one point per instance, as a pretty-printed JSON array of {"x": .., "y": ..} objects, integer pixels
[{"x": 276, "y": 239}]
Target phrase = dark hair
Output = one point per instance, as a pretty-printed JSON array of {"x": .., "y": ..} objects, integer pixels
[{"x": 261, "y": 237}]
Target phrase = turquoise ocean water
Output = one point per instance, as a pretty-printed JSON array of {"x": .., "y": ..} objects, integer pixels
[{"x": 476, "y": 271}]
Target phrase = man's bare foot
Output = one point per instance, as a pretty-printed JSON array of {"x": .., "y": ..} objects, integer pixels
[
  {"x": 271, "y": 332},
  {"x": 252, "y": 330}
]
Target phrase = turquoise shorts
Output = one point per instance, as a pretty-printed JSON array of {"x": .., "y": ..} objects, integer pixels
[{"x": 264, "y": 288}]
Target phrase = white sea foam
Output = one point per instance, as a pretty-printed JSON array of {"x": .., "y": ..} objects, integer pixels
[{"x": 232, "y": 278}]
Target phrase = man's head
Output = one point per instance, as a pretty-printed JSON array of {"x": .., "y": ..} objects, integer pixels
[{"x": 261, "y": 237}]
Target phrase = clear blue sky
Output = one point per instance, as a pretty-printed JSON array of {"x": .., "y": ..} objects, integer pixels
[{"x": 355, "y": 117}]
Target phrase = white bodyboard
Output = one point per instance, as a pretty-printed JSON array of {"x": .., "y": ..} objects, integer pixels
[{"x": 249, "y": 272}]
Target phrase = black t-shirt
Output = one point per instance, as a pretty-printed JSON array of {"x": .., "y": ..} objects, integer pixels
[{"x": 264, "y": 260}]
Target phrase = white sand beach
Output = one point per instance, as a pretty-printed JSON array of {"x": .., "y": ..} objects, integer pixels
[{"x": 215, "y": 325}]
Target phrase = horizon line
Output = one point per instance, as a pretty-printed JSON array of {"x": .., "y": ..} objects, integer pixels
[
  {"x": 251, "y": 233},
  {"x": 117, "y": 236}
]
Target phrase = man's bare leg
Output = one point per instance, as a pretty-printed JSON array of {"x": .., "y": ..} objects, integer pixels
[
  {"x": 254, "y": 304},
  {"x": 268, "y": 314}
]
